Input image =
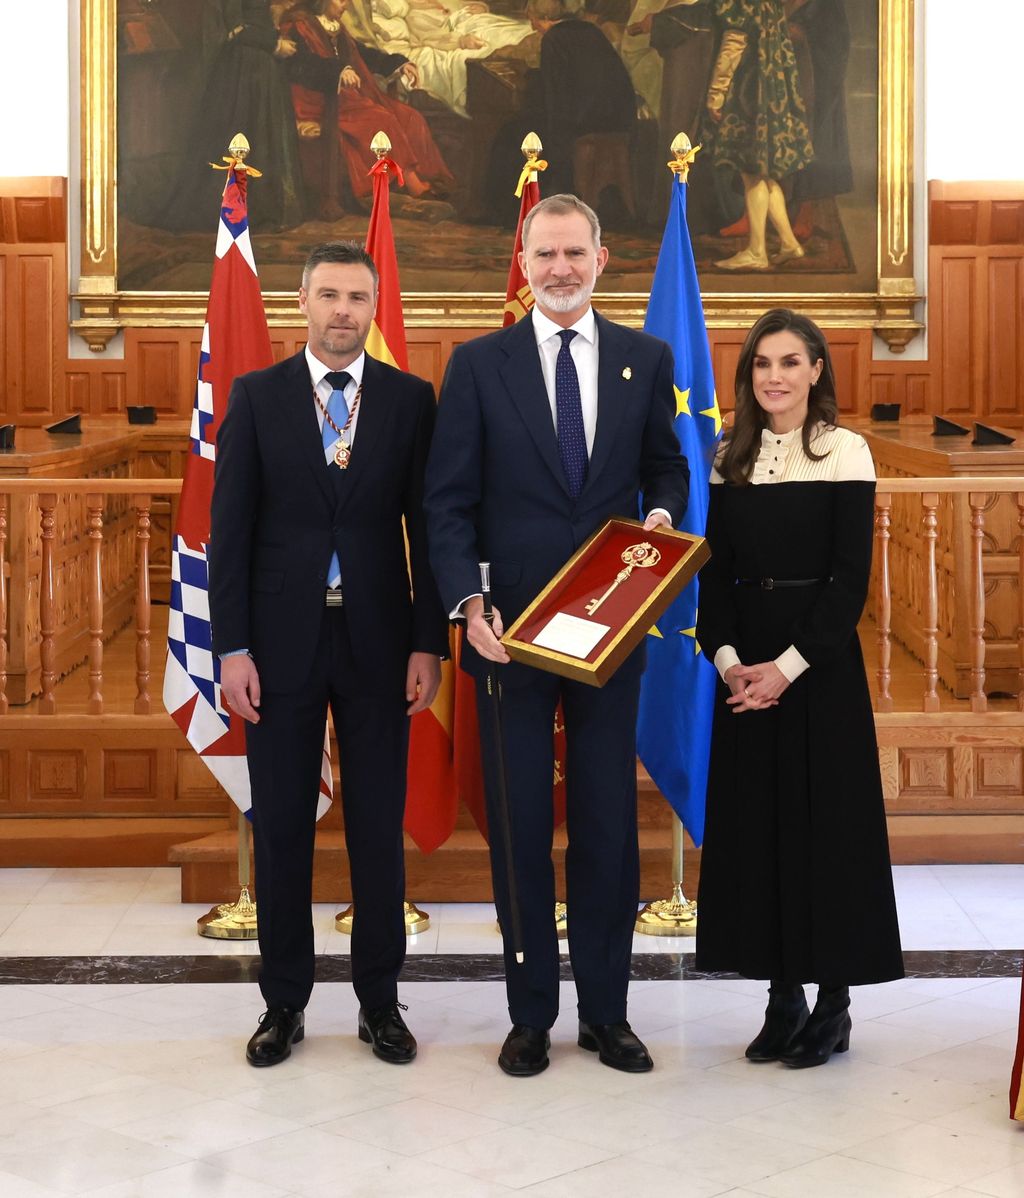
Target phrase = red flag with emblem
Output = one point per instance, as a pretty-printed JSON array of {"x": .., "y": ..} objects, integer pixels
[{"x": 468, "y": 770}]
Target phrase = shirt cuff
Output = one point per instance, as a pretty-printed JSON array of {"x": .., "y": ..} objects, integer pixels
[
  {"x": 234, "y": 653},
  {"x": 664, "y": 512},
  {"x": 457, "y": 613},
  {"x": 725, "y": 659},
  {"x": 792, "y": 663}
]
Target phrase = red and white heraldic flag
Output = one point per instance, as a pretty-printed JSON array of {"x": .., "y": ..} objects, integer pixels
[{"x": 235, "y": 341}]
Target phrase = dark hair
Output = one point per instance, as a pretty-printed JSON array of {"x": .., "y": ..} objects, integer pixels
[
  {"x": 743, "y": 441},
  {"x": 348, "y": 253},
  {"x": 563, "y": 205}
]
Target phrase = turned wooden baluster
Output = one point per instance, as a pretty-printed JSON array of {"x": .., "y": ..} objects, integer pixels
[
  {"x": 883, "y": 519},
  {"x": 142, "y": 506},
  {"x": 47, "y": 606},
  {"x": 929, "y": 523},
  {"x": 979, "y": 702},
  {"x": 1020, "y": 600},
  {"x": 94, "y": 507},
  {"x": 3, "y": 604}
]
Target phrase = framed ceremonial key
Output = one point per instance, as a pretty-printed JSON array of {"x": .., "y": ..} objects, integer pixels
[{"x": 604, "y": 600}]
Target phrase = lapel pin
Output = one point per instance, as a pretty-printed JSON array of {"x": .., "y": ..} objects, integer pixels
[{"x": 627, "y": 373}]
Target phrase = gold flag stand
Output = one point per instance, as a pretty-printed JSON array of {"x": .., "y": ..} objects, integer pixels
[
  {"x": 416, "y": 921},
  {"x": 675, "y": 916},
  {"x": 237, "y": 920}
]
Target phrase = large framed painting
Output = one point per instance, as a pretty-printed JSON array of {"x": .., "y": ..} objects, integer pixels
[{"x": 802, "y": 191}]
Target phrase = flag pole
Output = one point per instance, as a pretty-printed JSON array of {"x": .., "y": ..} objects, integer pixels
[
  {"x": 237, "y": 920},
  {"x": 416, "y": 921},
  {"x": 675, "y": 916}
]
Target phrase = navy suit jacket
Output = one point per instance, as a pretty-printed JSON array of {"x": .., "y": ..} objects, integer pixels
[
  {"x": 495, "y": 487},
  {"x": 279, "y": 511}
]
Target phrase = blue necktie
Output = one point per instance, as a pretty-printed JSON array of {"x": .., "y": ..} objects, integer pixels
[
  {"x": 337, "y": 409},
  {"x": 572, "y": 437}
]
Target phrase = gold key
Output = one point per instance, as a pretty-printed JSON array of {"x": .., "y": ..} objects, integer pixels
[{"x": 642, "y": 555}]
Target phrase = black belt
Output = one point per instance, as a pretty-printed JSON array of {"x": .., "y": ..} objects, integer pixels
[
  {"x": 771, "y": 584},
  {"x": 333, "y": 598}
]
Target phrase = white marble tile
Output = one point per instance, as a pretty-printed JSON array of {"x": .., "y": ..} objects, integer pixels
[
  {"x": 407, "y": 1178},
  {"x": 202, "y": 1129},
  {"x": 989, "y": 1117},
  {"x": 412, "y": 1126},
  {"x": 99, "y": 1158},
  {"x": 822, "y": 1121},
  {"x": 509, "y": 1158},
  {"x": 22, "y": 885},
  {"x": 841, "y": 1177},
  {"x": 549, "y": 1097},
  {"x": 721, "y": 1152},
  {"x": 303, "y": 1161},
  {"x": 969, "y": 1063},
  {"x": 122, "y": 1099},
  {"x": 627, "y": 1175},
  {"x": 1003, "y": 1183},
  {"x": 194, "y": 1179},
  {"x": 937, "y": 1153},
  {"x": 312, "y": 1099},
  {"x": 21, "y": 1187}
]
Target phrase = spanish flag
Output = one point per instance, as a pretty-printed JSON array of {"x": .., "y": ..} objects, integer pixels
[{"x": 431, "y": 799}]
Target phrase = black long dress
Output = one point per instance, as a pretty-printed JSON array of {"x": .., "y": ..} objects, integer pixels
[{"x": 795, "y": 880}]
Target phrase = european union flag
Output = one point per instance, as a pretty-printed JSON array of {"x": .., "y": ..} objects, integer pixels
[{"x": 677, "y": 696}]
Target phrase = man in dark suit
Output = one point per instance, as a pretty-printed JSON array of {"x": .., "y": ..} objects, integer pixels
[
  {"x": 545, "y": 429},
  {"x": 319, "y": 459}
]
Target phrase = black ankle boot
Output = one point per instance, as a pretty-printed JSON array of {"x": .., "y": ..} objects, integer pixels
[
  {"x": 784, "y": 1016},
  {"x": 827, "y": 1031}
]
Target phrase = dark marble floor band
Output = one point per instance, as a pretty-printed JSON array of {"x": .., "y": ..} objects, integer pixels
[{"x": 15, "y": 971}]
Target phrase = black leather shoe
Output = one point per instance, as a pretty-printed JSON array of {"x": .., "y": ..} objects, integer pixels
[
  {"x": 827, "y": 1031},
  {"x": 617, "y": 1045},
  {"x": 525, "y": 1051},
  {"x": 784, "y": 1016},
  {"x": 279, "y": 1029},
  {"x": 385, "y": 1029}
]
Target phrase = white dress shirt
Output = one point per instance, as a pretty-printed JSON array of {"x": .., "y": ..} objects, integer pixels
[{"x": 317, "y": 375}]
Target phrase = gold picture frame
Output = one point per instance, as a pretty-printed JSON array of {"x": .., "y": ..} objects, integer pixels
[
  {"x": 889, "y": 309},
  {"x": 687, "y": 553}
]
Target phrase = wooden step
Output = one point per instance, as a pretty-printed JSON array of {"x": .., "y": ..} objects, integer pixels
[
  {"x": 459, "y": 871},
  {"x": 68, "y": 842}
]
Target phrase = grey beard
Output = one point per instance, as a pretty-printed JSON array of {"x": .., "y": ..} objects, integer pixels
[{"x": 567, "y": 301}]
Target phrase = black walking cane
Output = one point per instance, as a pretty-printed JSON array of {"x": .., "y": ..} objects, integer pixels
[{"x": 501, "y": 805}]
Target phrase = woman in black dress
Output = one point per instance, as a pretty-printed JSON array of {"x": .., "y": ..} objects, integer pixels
[{"x": 795, "y": 881}]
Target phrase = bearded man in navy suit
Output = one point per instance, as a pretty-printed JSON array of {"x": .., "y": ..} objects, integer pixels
[
  {"x": 318, "y": 482},
  {"x": 545, "y": 430}
]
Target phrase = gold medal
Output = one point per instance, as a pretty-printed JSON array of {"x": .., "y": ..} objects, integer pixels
[{"x": 342, "y": 455}]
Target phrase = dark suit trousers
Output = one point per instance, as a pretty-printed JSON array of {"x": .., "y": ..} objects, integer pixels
[
  {"x": 285, "y": 752},
  {"x": 602, "y": 864}
]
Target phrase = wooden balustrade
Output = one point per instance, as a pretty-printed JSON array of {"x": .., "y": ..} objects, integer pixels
[
  {"x": 979, "y": 493},
  {"x": 97, "y": 492}
]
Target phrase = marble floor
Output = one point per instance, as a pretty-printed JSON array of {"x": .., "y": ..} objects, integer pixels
[{"x": 122, "y": 1073}]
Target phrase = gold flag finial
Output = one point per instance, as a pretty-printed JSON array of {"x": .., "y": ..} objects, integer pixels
[
  {"x": 381, "y": 144},
  {"x": 684, "y": 153},
  {"x": 238, "y": 151},
  {"x": 531, "y": 147}
]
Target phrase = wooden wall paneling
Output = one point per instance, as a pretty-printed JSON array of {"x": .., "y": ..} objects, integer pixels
[
  {"x": 957, "y": 349},
  {"x": 157, "y": 377},
  {"x": 1003, "y": 393},
  {"x": 1006, "y": 225}
]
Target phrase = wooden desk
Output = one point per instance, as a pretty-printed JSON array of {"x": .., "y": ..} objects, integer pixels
[
  {"x": 98, "y": 452},
  {"x": 908, "y": 449}
]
